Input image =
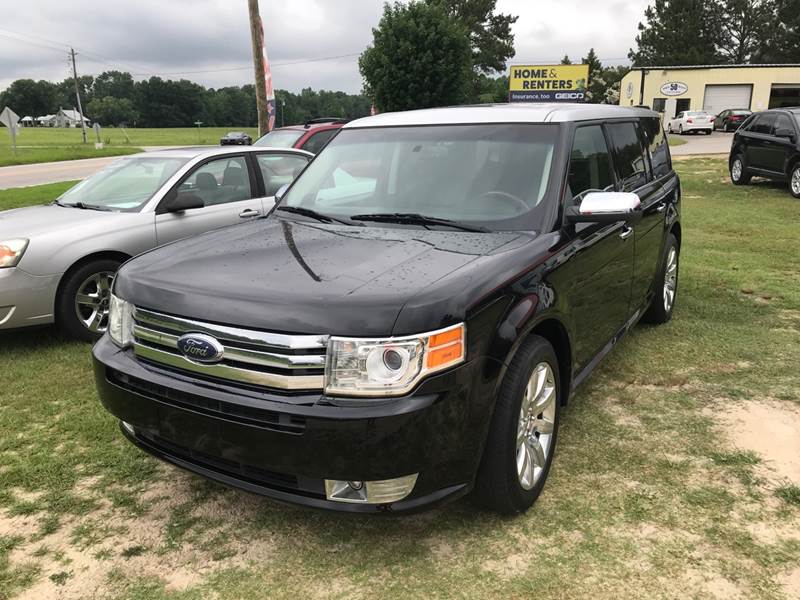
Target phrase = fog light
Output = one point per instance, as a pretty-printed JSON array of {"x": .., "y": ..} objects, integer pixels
[{"x": 382, "y": 491}]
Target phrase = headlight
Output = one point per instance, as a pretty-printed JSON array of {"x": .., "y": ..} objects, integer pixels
[
  {"x": 11, "y": 251},
  {"x": 120, "y": 321},
  {"x": 391, "y": 366}
]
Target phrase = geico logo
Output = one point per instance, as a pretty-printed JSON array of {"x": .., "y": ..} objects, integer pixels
[{"x": 569, "y": 96}]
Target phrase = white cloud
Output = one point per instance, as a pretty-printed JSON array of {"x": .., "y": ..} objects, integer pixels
[{"x": 177, "y": 37}]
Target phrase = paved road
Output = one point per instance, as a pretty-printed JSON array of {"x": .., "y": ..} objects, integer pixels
[
  {"x": 39, "y": 173},
  {"x": 699, "y": 143}
]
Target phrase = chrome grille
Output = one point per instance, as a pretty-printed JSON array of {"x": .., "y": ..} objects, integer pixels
[{"x": 265, "y": 359}]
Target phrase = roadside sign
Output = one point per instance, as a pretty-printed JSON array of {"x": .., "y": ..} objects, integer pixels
[
  {"x": 11, "y": 120},
  {"x": 548, "y": 83}
]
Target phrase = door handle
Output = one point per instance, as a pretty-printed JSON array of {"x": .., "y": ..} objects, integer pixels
[
  {"x": 626, "y": 232},
  {"x": 661, "y": 207},
  {"x": 249, "y": 213}
]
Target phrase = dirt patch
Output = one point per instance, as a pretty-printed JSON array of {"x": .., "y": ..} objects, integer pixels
[
  {"x": 771, "y": 429},
  {"x": 509, "y": 567},
  {"x": 791, "y": 583}
]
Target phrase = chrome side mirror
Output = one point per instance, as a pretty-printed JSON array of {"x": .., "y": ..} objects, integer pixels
[{"x": 606, "y": 207}]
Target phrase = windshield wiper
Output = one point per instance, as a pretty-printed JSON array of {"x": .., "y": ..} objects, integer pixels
[
  {"x": 308, "y": 212},
  {"x": 416, "y": 219},
  {"x": 83, "y": 206}
]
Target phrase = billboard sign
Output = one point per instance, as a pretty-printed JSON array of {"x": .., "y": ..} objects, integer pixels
[
  {"x": 674, "y": 88},
  {"x": 548, "y": 83}
]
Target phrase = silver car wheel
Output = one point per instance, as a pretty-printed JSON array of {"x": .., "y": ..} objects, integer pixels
[
  {"x": 670, "y": 279},
  {"x": 796, "y": 181},
  {"x": 92, "y": 299},
  {"x": 536, "y": 425},
  {"x": 736, "y": 170}
]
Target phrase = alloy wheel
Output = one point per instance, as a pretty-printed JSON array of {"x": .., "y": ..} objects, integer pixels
[
  {"x": 536, "y": 425},
  {"x": 795, "y": 183},
  {"x": 92, "y": 299},
  {"x": 670, "y": 279},
  {"x": 736, "y": 170}
]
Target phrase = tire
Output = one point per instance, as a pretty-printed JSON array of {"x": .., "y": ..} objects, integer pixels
[
  {"x": 93, "y": 281},
  {"x": 680, "y": 129},
  {"x": 709, "y": 131},
  {"x": 666, "y": 284},
  {"x": 739, "y": 175},
  {"x": 669, "y": 127},
  {"x": 727, "y": 128},
  {"x": 500, "y": 486},
  {"x": 794, "y": 180}
]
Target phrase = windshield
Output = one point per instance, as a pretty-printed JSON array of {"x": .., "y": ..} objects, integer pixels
[
  {"x": 126, "y": 184},
  {"x": 495, "y": 176},
  {"x": 697, "y": 113},
  {"x": 280, "y": 138}
]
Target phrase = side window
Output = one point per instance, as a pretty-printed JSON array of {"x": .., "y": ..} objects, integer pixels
[
  {"x": 629, "y": 158},
  {"x": 589, "y": 164},
  {"x": 278, "y": 170},
  {"x": 317, "y": 141},
  {"x": 783, "y": 122},
  {"x": 680, "y": 115},
  {"x": 219, "y": 181},
  {"x": 763, "y": 124},
  {"x": 657, "y": 147}
]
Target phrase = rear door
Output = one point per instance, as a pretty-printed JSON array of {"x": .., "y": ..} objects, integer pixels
[
  {"x": 631, "y": 146},
  {"x": 759, "y": 140},
  {"x": 227, "y": 187},
  {"x": 277, "y": 169},
  {"x": 782, "y": 148}
]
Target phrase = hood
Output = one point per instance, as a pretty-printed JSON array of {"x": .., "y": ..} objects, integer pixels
[
  {"x": 41, "y": 220},
  {"x": 297, "y": 277}
]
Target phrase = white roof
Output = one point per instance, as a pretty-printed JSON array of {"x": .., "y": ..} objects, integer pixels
[
  {"x": 502, "y": 113},
  {"x": 73, "y": 114}
]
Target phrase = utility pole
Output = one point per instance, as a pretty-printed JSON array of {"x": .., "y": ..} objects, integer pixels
[
  {"x": 257, "y": 37},
  {"x": 78, "y": 93}
]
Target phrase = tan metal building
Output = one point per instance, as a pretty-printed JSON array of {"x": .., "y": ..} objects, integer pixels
[{"x": 670, "y": 90}]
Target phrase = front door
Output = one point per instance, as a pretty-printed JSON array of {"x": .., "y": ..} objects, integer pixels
[
  {"x": 631, "y": 149},
  {"x": 598, "y": 277},
  {"x": 759, "y": 140},
  {"x": 226, "y": 187}
]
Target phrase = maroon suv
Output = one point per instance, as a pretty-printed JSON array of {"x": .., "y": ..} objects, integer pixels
[{"x": 311, "y": 136}]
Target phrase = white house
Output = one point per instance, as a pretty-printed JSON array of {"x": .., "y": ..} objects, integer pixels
[{"x": 63, "y": 118}]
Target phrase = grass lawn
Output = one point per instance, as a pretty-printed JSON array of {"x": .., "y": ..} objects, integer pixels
[
  {"x": 114, "y": 136},
  {"x": 675, "y": 141},
  {"x": 26, "y": 156},
  {"x": 35, "y": 194},
  {"x": 652, "y": 493}
]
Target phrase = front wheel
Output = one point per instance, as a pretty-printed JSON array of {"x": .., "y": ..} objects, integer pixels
[
  {"x": 522, "y": 437},
  {"x": 669, "y": 128},
  {"x": 666, "y": 284},
  {"x": 82, "y": 304},
  {"x": 794, "y": 181},
  {"x": 680, "y": 129},
  {"x": 739, "y": 175}
]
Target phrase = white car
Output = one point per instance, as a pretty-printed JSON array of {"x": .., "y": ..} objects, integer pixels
[{"x": 692, "y": 120}]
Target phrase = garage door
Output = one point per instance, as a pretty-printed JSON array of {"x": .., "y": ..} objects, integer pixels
[{"x": 721, "y": 97}]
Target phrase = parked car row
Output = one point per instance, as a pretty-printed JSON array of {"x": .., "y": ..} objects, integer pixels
[
  {"x": 310, "y": 136},
  {"x": 699, "y": 120}
]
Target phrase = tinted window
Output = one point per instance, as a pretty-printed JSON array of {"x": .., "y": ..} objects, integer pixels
[
  {"x": 629, "y": 158},
  {"x": 763, "y": 124},
  {"x": 219, "y": 181},
  {"x": 494, "y": 175},
  {"x": 783, "y": 122},
  {"x": 657, "y": 146},
  {"x": 279, "y": 169},
  {"x": 317, "y": 141},
  {"x": 589, "y": 164}
]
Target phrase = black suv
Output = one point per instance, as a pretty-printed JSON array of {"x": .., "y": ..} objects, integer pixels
[
  {"x": 408, "y": 323},
  {"x": 768, "y": 145}
]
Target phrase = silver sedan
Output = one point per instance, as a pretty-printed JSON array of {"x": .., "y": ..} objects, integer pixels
[{"x": 57, "y": 261}]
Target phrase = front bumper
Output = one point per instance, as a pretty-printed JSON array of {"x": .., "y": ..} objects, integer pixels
[
  {"x": 285, "y": 446},
  {"x": 25, "y": 299}
]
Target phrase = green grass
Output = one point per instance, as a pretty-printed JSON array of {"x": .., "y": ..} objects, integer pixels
[
  {"x": 646, "y": 498},
  {"x": 35, "y": 194},
  {"x": 675, "y": 141},
  {"x": 113, "y": 136},
  {"x": 26, "y": 156}
]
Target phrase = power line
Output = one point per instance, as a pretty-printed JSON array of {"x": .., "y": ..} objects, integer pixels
[{"x": 272, "y": 65}]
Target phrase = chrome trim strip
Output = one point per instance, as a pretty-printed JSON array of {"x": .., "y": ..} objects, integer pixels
[
  {"x": 265, "y": 359},
  {"x": 273, "y": 380},
  {"x": 232, "y": 334}
]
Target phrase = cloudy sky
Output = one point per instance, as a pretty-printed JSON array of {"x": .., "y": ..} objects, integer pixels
[{"x": 208, "y": 40}]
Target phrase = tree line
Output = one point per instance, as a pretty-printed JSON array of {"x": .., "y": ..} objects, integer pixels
[
  {"x": 715, "y": 32},
  {"x": 114, "y": 98}
]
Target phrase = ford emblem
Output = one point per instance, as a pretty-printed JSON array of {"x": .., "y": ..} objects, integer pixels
[{"x": 201, "y": 348}]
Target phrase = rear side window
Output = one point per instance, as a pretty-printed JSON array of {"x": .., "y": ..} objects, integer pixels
[
  {"x": 657, "y": 146},
  {"x": 783, "y": 122},
  {"x": 589, "y": 164},
  {"x": 763, "y": 124},
  {"x": 317, "y": 141},
  {"x": 629, "y": 158}
]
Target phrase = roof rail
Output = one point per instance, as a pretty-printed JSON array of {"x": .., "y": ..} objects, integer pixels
[{"x": 324, "y": 120}]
